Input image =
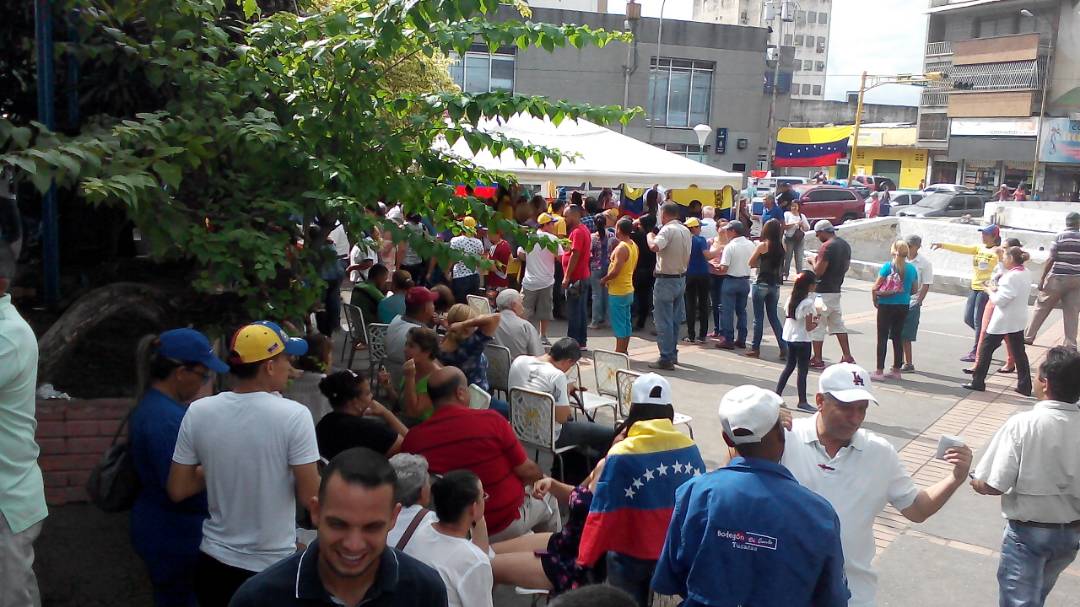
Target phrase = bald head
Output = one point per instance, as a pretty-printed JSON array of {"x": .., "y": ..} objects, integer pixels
[{"x": 448, "y": 386}]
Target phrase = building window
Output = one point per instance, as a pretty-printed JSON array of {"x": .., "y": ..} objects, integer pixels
[
  {"x": 787, "y": 39},
  {"x": 481, "y": 72},
  {"x": 798, "y": 40},
  {"x": 809, "y": 42},
  {"x": 800, "y": 18},
  {"x": 806, "y": 89},
  {"x": 934, "y": 127},
  {"x": 821, "y": 44},
  {"x": 680, "y": 91},
  {"x": 819, "y": 66},
  {"x": 823, "y": 18},
  {"x": 807, "y": 65},
  {"x": 817, "y": 90},
  {"x": 811, "y": 17},
  {"x": 689, "y": 150}
]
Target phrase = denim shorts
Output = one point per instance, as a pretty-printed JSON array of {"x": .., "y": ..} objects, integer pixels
[{"x": 619, "y": 311}]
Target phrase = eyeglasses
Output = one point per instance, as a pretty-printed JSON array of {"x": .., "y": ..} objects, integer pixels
[{"x": 205, "y": 375}]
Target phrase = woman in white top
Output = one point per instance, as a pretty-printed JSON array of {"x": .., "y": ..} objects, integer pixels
[
  {"x": 798, "y": 326},
  {"x": 1009, "y": 319},
  {"x": 796, "y": 225}
]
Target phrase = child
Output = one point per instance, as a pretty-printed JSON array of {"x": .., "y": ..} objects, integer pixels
[{"x": 798, "y": 325}]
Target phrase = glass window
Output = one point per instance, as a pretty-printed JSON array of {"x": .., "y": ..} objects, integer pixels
[
  {"x": 787, "y": 39},
  {"x": 823, "y": 18},
  {"x": 483, "y": 72},
  {"x": 817, "y": 90},
  {"x": 809, "y": 42},
  {"x": 477, "y": 76},
  {"x": 821, "y": 42},
  {"x": 807, "y": 65},
  {"x": 800, "y": 17},
  {"x": 502, "y": 73},
  {"x": 811, "y": 17},
  {"x": 683, "y": 89},
  {"x": 819, "y": 66},
  {"x": 806, "y": 89},
  {"x": 798, "y": 40}
]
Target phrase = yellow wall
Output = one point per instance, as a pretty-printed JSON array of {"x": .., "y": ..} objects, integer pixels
[{"x": 912, "y": 164}]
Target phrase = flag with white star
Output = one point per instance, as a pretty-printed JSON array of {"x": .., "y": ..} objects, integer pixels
[
  {"x": 811, "y": 147},
  {"x": 635, "y": 495}
]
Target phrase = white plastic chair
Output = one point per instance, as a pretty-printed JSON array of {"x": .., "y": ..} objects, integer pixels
[
  {"x": 536, "y": 595},
  {"x": 498, "y": 358},
  {"x": 589, "y": 402},
  {"x": 478, "y": 398},
  {"x": 479, "y": 303},
  {"x": 532, "y": 415},
  {"x": 625, "y": 382}
]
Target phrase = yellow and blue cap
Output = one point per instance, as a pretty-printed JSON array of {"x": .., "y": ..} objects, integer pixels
[{"x": 262, "y": 340}]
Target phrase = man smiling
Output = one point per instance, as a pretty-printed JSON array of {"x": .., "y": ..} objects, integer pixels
[{"x": 349, "y": 564}]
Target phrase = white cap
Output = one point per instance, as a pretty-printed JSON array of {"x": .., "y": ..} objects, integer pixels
[
  {"x": 748, "y": 413},
  {"x": 651, "y": 389},
  {"x": 824, "y": 226},
  {"x": 846, "y": 382}
]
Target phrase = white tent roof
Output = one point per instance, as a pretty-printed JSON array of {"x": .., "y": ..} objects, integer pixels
[{"x": 602, "y": 157}]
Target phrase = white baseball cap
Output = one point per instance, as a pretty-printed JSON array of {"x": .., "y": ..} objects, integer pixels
[
  {"x": 651, "y": 389},
  {"x": 847, "y": 383},
  {"x": 748, "y": 413}
]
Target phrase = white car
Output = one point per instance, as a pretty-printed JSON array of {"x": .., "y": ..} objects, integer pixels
[
  {"x": 903, "y": 198},
  {"x": 943, "y": 187}
]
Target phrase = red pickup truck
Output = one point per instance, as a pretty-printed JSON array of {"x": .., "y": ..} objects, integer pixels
[{"x": 834, "y": 203}]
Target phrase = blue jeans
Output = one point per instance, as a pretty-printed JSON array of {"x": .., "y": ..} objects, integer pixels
[
  {"x": 577, "y": 312},
  {"x": 766, "y": 300},
  {"x": 669, "y": 310},
  {"x": 973, "y": 312},
  {"x": 632, "y": 575},
  {"x": 599, "y": 296},
  {"x": 716, "y": 293},
  {"x": 735, "y": 292},
  {"x": 1031, "y": 560}
]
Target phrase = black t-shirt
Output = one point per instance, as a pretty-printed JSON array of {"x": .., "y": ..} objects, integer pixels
[
  {"x": 784, "y": 199},
  {"x": 646, "y": 262},
  {"x": 338, "y": 431},
  {"x": 838, "y": 253}
]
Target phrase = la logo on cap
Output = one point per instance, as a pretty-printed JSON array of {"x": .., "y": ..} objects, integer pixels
[{"x": 857, "y": 379}]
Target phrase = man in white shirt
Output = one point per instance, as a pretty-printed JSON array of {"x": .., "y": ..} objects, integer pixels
[
  {"x": 538, "y": 283},
  {"x": 462, "y": 564},
  {"x": 1033, "y": 463},
  {"x": 547, "y": 374},
  {"x": 515, "y": 333},
  {"x": 255, "y": 454},
  {"x": 413, "y": 492},
  {"x": 735, "y": 265},
  {"x": 859, "y": 472},
  {"x": 672, "y": 247},
  {"x": 926, "y": 279}
]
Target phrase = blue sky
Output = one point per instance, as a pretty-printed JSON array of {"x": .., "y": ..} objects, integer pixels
[{"x": 878, "y": 36}]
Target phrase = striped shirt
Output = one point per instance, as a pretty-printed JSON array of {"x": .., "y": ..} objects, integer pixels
[
  {"x": 1065, "y": 253},
  {"x": 457, "y": 437}
]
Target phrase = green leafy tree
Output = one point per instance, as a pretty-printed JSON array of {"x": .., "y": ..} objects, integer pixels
[{"x": 235, "y": 130}]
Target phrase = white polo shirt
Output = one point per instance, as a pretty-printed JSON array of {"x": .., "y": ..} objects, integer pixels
[
  {"x": 1035, "y": 459},
  {"x": 736, "y": 257},
  {"x": 858, "y": 482}
]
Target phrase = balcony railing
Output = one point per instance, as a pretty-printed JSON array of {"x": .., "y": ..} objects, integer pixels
[
  {"x": 939, "y": 48},
  {"x": 1011, "y": 76},
  {"x": 933, "y": 127},
  {"x": 935, "y": 98}
]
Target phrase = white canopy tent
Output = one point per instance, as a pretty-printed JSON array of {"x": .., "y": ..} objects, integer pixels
[{"x": 602, "y": 157}]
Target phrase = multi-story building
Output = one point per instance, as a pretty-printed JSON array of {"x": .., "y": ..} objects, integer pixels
[
  {"x": 707, "y": 73},
  {"x": 739, "y": 12},
  {"x": 1013, "y": 69}
]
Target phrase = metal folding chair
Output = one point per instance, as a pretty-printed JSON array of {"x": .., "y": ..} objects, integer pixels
[
  {"x": 376, "y": 348},
  {"x": 498, "y": 358},
  {"x": 625, "y": 382},
  {"x": 589, "y": 402},
  {"x": 478, "y": 398},
  {"x": 479, "y": 303},
  {"x": 532, "y": 415},
  {"x": 357, "y": 331}
]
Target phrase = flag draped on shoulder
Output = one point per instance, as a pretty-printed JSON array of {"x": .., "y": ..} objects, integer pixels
[{"x": 635, "y": 495}]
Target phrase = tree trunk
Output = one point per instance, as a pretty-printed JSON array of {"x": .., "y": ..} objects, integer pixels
[{"x": 142, "y": 300}]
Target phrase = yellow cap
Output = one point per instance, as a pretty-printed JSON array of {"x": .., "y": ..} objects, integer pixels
[
  {"x": 262, "y": 340},
  {"x": 544, "y": 219},
  {"x": 693, "y": 222},
  {"x": 469, "y": 222}
]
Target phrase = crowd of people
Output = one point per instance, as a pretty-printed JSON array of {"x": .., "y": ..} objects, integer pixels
[{"x": 390, "y": 489}]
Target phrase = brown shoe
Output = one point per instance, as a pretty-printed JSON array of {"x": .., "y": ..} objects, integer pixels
[{"x": 752, "y": 354}]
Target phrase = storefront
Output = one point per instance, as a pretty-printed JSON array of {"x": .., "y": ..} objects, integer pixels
[
  {"x": 1060, "y": 158},
  {"x": 889, "y": 151},
  {"x": 993, "y": 151}
]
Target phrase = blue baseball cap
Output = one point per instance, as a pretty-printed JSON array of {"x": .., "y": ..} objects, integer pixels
[{"x": 190, "y": 346}]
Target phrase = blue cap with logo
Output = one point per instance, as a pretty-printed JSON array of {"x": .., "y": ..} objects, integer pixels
[{"x": 190, "y": 346}]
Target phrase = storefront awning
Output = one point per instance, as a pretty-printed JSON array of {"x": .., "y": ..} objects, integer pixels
[{"x": 1021, "y": 149}]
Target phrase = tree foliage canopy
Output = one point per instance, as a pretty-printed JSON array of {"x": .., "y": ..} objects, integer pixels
[{"x": 230, "y": 130}]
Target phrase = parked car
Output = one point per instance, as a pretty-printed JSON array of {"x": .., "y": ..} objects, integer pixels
[
  {"x": 946, "y": 204},
  {"x": 829, "y": 202},
  {"x": 873, "y": 182},
  {"x": 903, "y": 198},
  {"x": 767, "y": 185},
  {"x": 944, "y": 187}
]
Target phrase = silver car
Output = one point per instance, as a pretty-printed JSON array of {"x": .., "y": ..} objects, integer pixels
[{"x": 945, "y": 204}]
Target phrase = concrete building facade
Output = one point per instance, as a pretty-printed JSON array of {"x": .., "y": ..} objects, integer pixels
[
  {"x": 708, "y": 73},
  {"x": 1014, "y": 67}
]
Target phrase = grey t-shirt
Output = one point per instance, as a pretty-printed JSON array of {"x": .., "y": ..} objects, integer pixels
[{"x": 518, "y": 335}]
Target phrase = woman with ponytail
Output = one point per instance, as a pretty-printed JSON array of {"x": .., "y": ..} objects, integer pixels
[
  {"x": 892, "y": 291},
  {"x": 1008, "y": 320},
  {"x": 172, "y": 368}
]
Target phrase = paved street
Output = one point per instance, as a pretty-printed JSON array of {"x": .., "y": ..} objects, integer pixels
[{"x": 84, "y": 557}]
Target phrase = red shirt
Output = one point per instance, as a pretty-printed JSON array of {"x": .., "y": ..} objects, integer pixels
[
  {"x": 580, "y": 241},
  {"x": 456, "y": 437},
  {"x": 496, "y": 277}
]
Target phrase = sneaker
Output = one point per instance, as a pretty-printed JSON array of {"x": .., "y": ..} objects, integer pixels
[
  {"x": 544, "y": 341},
  {"x": 908, "y": 367},
  {"x": 877, "y": 376},
  {"x": 594, "y": 326},
  {"x": 666, "y": 365},
  {"x": 969, "y": 358},
  {"x": 807, "y": 407},
  {"x": 894, "y": 374}
]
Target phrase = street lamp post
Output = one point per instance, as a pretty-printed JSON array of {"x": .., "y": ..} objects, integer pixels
[
  {"x": 653, "y": 75},
  {"x": 702, "y": 131},
  {"x": 1035, "y": 185}
]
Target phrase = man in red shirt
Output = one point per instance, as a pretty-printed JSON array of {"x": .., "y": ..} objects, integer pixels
[
  {"x": 499, "y": 252},
  {"x": 481, "y": 440},
  {"x": 575, "y": 263}
]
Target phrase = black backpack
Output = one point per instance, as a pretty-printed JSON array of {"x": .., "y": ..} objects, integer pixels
[{"x": 114, "y": 484}]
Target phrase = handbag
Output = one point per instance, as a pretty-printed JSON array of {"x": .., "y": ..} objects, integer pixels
[
  {"x": 893, "y": 285},
  {"x": 114, "y": 484}
]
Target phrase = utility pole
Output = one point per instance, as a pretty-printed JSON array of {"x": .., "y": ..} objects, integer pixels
[
  {"x": 855, "y": 135},
  {"x": 654, "y": 71}
]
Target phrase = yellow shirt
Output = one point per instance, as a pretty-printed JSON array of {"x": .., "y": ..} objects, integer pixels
[
  {"x": 623, "y": 283},
  {"x": 560, "y": 225},
  {"x": 983, "y": 262}
]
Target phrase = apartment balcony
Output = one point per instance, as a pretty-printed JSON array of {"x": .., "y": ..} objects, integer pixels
[
  {"x": 934, "y": 98},
  {"x": 934, "y": 49}
]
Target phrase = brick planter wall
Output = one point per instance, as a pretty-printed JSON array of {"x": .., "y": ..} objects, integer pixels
[{"x": 73, "y": 435}]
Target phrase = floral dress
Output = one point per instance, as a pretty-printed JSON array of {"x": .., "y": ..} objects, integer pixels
[
  {"x": 469, "y": 357},
  {"x": 560, "y": 559}
]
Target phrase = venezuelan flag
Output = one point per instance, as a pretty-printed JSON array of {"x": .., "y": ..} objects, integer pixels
[
  {"x": 634, "y": 498},
  {"x": 818, "y": 147}
]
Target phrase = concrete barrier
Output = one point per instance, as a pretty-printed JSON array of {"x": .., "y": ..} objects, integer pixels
[{"x": 1041, "y": 216}]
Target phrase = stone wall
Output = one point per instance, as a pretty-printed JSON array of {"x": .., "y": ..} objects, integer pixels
[
  {"x": 1043, "y": 216},
  {"x": 73, "y": 436}
]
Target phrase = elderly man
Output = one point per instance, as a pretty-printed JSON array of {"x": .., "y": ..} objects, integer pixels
[
  {"x": 672, "y": 246},
  {"x": 22, "y": 492},
  {"x": 1033, "y": 463},
  {"x": 413, "y": 491},
  {"x": 748, "y": 533},
  {"x": 1060, "y": 283},
  {"x": 858, "y": 472},
  {"x": 514, "y": 332}
]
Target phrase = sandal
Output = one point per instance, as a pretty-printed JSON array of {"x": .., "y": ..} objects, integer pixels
[
  {"x": 817, "y": 364},
  {"x": 1007, "y": 370}
]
